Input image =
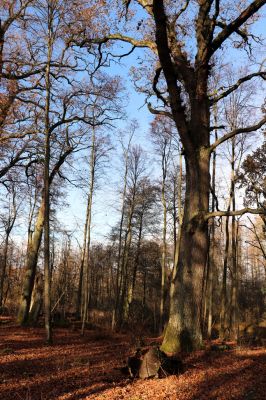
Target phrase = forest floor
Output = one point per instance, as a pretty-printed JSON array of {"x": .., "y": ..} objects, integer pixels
[{"x": 87, "y": 367}]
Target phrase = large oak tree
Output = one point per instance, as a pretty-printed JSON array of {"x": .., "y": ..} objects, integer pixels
[{"x": 184, "y": 54}]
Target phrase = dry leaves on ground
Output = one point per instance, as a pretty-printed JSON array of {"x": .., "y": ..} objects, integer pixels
[{"x": 77, "y": 367}]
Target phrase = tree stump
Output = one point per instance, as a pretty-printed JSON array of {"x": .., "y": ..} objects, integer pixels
[{"x": 152, "y": 363}]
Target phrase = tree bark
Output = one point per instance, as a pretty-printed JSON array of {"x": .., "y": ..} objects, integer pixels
[
  {"x": 37, "y": 299},
  {"x": 183, "y": 331},
  {"x": 34, "y": 243}
]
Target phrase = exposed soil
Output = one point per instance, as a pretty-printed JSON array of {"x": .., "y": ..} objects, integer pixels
[{"x": 76, "y": 367}]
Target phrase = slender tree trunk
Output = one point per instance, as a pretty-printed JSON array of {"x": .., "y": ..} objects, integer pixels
[
  {"x": 132, "y": 282},
  {"x": 79, "y": 304},
  {"x": 144, "y": 289},
  {"x": 226, "y": 252},
  {"x": 180, "y": 218},
  {"x": 211, "y": 258},
  {"x": 3, "y": 272},
  {"x": 163, "y": 260},
  {"x": 7, "y": 288},
  {"x": 233, "y": 316},
  {"x": 119, "y": 259},
  {"x": 86, "y": 283},
  {"x": 2, "y": 42},
  {"x": 47, "y": 270},
  {"x": 123, "y": 306},
  {"x": 224, "y": 281},
  {"x": 10, "y": 224},
  {"x": 205, "y": 282},
  {"x": 175, "y": 212},
  {"x": 210, "y": 280}
]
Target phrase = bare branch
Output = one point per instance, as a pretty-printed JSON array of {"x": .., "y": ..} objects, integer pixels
[
  {"x": 6, "y": 24},
  {"x": 235, "y": 25},
  {"x": 258, "y": 238},
  {"x": 147, "y": 5},
  {"x": 60, "y": 162},
  {"x": 215, "y": 128},
  {"x": 235, "y": 132},
  {"x": 180, "y": 12},
  {"x": 232, "y": 88},
  {"x": 159, "y": 112},
  {"x": 154, "y": 85},
  {"x": 240, "y": 32},
  {"x": 119, "y": 37},
  {"x": 15, "y": 136},
  {"x": 247, "y": 210},
  {"x": 217, "y": 9},
  {"x": 14, "y": 160}
]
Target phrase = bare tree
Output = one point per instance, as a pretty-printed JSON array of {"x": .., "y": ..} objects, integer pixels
[
  {"x": 8, "y": 222},
  {"x": 182, "y": 76},
  {"x": 162, "y": 135}
]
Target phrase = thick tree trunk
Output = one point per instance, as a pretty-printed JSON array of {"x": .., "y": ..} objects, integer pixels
[
  {"x": 37, "y": 299},
  {"x": 34, "y": 243},
  {"x": 183, "y": 331}
]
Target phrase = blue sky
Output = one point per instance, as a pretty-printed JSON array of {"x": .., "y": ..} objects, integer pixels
[{"x": 106, "y": 199}]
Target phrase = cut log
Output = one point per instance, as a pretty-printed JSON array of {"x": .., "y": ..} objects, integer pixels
[{"x": 152, "y": 363}]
